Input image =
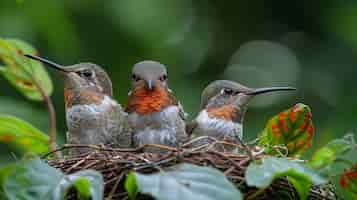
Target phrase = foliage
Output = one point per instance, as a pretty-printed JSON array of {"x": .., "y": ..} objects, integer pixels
[
  {"x": 34, "y": 179},
  {"x": 131, "y": 185},
  {"x": 333, "y": 151},
  {"x": 31, "y": 79},
  {"x": 189, "y": 181},
  {"x": 22, "y": 134},
  {"x": 291, "y": 128},
  {"x": 301, "y": 176},
  {"x": 337, "y": 160},
  {"x": 25, "y": 74}
]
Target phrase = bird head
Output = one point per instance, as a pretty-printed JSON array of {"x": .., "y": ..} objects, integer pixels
[
  {"x": 221, "y": 93},
  {"x": 149, "y": 74},
  {"x": 81, "y": 76}
]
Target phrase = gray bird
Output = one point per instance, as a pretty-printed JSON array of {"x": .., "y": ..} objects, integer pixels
[
  {"x": 92, "y": 115},
  {"x": 223, "y": 105},
  {"x": 155, "y": 115}
]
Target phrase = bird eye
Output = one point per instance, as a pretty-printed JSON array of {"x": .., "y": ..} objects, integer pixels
[
  {"x": 135, "y": 77},
  {"x": 228, "y": 91},
  {"x": 163, "y": 77},
  {"x": 86, "y": 73}
]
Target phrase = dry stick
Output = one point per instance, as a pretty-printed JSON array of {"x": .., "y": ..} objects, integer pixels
[
  {"x": 241, "y": 144},
  {"x": 69, "y": 146},
  {"x": 198, "y": 139},
  {"x": 77, "y": 164},
  {"x": 112, "y": 191},
  {"x": 227, "y": 158},
  {"x": 101, "y": 148},
  {"x": 246, "y": 149}
]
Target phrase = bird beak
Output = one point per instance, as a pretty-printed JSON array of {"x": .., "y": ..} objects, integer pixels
[
  {"x": 150, "y": 84},
  {"x": 269, "y": 89},
  {"x": 47, "y": 62}
]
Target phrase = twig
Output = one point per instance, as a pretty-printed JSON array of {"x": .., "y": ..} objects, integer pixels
[
  {"x": 246, "y": 149},
  {"x": 112, "y": 191},
  {"x": 77, "y": 164},
  {"x": 159, "y": 146},
  {"x": 227, "y": 158},
  {"x": 102, "y": 148},
  {"x": 198, "y": 139},
  {"x": 229, "y": 170},
  {"x": 113, "y": 164},
  {"x": 155, "y": 164}
]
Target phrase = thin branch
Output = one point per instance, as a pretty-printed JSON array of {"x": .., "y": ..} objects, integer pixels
[
  {"x": 102, "y": 148},
  {"x": 112, "y": 191}
]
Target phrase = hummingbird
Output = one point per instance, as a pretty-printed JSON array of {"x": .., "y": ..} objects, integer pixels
[
  {"x": 155, "y": 115},
  {"x": 92, "y": 115},
  {"x": 223, "y": 106}
]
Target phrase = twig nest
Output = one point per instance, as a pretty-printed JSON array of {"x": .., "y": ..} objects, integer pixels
[{"x": 115, "y": 164}]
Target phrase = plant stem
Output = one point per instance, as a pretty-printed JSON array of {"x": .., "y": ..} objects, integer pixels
[
  {"x": 52, "y": 119},
  {"x": 256, "y": 194}
]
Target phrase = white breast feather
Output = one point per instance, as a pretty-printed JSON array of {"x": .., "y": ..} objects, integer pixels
[
  {"x": 79, "y": 115},
  {"x": 216, "y": 127},
  {"x": 159, "y": 126}
]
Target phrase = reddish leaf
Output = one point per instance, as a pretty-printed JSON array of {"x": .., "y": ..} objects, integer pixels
[
  {"x": 348, "y": 180},
  {"x": 292, "y": 128}
]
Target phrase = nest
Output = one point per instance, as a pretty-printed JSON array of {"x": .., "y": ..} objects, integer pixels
[{"x": 115, "y": 164}]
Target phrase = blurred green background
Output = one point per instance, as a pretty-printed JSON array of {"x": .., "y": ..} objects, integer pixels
[{"x": 311, "y": 45}]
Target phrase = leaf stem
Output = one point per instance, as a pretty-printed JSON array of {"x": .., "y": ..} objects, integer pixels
[
  {"x": 256, "y": 194},
  {"x": 52, "y": 119}
]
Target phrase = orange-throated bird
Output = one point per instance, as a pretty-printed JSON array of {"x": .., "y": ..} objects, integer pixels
[
  {"x": 155, "y": 115},
  {"x": 223, "y": 105},
  {"x": 92, "y": 116}
]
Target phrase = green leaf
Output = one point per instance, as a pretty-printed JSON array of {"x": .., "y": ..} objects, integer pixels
[
  {"x": 327, "y": 155},
  {"x": 22, "y": 134},
  {"x": 291, "y": 128},
  {"x": 186, "y": 182},
  {"x": 22, "y": 72},
  {"x": 337, "y": 160},
  {"x": 82, "y": 185},
  {"x": 88, "y": 183},
  {"x": 130, "y": 185},
  {"x": 34, "y": 179},
  {"x": 301, "y": 176},
  {"x": 4, "y": 172}
]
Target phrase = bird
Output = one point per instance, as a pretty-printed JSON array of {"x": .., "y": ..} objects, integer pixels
[
  {"x": 223, "y": 106},
  {"x": 92, "y": 115},
  {"x": 154, "y": 113}
]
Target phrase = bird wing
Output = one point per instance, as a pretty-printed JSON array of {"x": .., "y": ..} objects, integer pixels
[
  {"x": 190, "y": 127},
  {"x": 174, "y": 101},
  {"x": 104, "y": 122},
  {"x": 84, "y": 125},
  {"x": 117, "y": 125}
]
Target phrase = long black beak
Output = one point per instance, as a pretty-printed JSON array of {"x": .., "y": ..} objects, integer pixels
[
  {"x": 150, "y": 84},
  {"x": 47, "y": 62},
  {"x": 269, "y": 89}
]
